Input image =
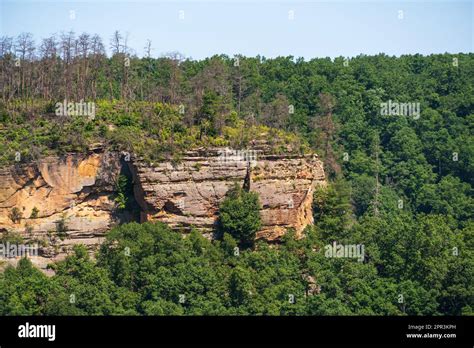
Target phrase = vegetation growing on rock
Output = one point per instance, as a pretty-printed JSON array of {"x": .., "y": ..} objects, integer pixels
[{"x": 239, "y": 215}]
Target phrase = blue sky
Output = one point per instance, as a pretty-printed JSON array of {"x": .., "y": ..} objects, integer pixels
[{"x": 318, "y": 28}]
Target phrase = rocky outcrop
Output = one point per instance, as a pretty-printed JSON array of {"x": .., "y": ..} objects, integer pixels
[
  {"x": 187, "y": 195},
  {"x": 74, "y": 196},
  {"x": 285, "y": 186}
]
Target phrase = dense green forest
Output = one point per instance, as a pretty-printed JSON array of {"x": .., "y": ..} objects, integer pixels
[{"x": 400, "y": 184}]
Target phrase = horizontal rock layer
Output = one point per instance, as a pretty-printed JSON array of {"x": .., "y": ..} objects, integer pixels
[{"x": 188, "y": 194}]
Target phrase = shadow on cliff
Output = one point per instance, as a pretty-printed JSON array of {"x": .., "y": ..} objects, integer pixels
[{"x": 128, "y": 209}]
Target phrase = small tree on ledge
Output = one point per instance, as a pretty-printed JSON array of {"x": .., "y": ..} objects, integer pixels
[
  {"x": 239, "y": 215},
  {"x": 15, "y": 215}
]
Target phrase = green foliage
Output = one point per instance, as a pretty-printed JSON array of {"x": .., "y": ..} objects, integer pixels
[
  {"x": 155, "y": 131},
  {"x": 34, "y": 213},
  {"x": 12, "y": 237},
  {"x": 23, "y": 290},
  {"x": 15, "y": 215},
  {"x": 208, "y": 113},
  {"x": 121, "y": 187},
  {"x": 332, "y": 209},
  {"x": 148, "y": 269},
  {"x": 239, "y": 215},
  {"x": 61, "y": 226}
]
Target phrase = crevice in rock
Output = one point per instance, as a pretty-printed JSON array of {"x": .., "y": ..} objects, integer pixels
[
  {"x": 142, "y": 206},
  {"x": 248, "y": 178},
  {"x": 133, "y": 210}
]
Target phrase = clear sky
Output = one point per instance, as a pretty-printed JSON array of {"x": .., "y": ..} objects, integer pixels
[{"x": 200, "y": 29}]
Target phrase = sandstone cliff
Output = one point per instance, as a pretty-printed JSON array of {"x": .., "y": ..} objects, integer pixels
[
  {"x": 75, "y": 195},
  {"x": 188, "y": 194}
]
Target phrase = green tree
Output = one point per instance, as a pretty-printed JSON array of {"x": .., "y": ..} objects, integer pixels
[
  {"x": 239, "y": 215},
  {"x": 23, "y": 289},
  {"x": 15, "y": 215},
  {"x": 208, "y": 113},
  {"x": 122, "y": 188},
  {"x": 34, "y": 213}
]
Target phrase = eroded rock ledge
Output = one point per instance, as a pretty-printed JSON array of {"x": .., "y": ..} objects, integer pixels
[
  {"x": 188, "y": 194},
  {"x": 80, "y": 191}
]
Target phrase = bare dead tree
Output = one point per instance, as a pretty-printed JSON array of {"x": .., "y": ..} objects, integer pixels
[
  {"x": 276, "y": 113},
  {"x": 98, "y": 55},
  {"x": 116, "y": 43},
  {"x": 6, "y": 67},
  {"x": 148, "y": 48},
  {"x": 174, "y": 59},
  {"x": 67, "y": 45},
  {"x": 24, "y": 48},
  {"x": 84, "y": 46},
  {"x": 328, "y": 129},
  {"x": 49, "y": 54}
]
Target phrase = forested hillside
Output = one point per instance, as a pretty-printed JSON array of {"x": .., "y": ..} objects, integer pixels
[{"x": 400, "y": 182}]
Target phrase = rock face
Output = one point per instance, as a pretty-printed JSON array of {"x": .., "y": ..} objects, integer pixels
[
  {"x": 74, "y": 198},
  {"x": 75, "y": 195},
  {"x": 188, "y": 194}
]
